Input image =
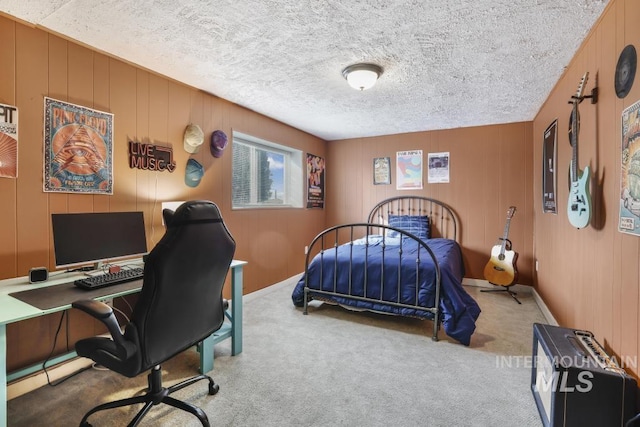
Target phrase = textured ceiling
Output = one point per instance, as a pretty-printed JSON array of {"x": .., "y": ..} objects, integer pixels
[{"x": 447, "y": 63}]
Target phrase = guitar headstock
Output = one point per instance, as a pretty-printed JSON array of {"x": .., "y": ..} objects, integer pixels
[
  {"x": 580, "y": 92},
  {"x": 511, "y": 212}
]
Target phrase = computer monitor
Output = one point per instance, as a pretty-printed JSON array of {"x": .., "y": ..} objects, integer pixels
[{"x": 91, "y": 238}]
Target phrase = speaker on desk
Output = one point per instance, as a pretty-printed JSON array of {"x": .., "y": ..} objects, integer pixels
[{"x": 38, "y": 274}]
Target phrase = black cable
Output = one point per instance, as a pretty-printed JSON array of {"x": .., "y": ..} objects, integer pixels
[
  {"x": 55, "y": 340},
  {"x": 80, "y": 269}
]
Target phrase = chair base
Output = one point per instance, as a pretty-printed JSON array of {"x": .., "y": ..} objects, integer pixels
[
  {"x": 504, "y": 289},
  {"x": 155, "y": 395}
]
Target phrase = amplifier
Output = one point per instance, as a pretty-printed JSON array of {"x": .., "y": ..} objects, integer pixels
[{"x": 576, "y": 383}]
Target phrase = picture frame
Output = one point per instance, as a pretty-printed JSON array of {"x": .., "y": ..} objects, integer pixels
[
  {"x": 629, "y": 217},
  {"x": 381, "y": 170},
  {"x": 549, "y": 177},
  {"x": 315, "y": 181},
  {"x": 78, "y": 149},
  {"x": 409, "y": 170}
]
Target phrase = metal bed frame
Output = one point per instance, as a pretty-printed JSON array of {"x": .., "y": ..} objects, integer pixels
[{"x": 443, "y": 224}]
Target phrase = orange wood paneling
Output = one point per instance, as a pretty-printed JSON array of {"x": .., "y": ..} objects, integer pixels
[
  {"x": 147, "y": 108},
  {"x": 8, "y": 186},
  {"x": 590, "y": 278},
  {"x": 487, "y": 166}
]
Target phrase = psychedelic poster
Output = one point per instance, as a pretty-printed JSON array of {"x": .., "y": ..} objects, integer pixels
[
  {"x": 78, "y": 149},
  {"x": 409, "y": 170},
  {"x": 630, "y": 171},
  {"x": 315, "y": 180},
  {"x": 8, "y": 141}
]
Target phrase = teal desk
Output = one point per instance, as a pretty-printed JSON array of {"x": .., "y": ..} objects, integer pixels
[{"x": 14, "y": 310}]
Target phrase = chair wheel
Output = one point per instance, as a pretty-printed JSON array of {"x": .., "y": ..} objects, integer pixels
[{"x": 213, "y": 389}]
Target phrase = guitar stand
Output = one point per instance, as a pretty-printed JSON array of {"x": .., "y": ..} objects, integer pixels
[{"x": 504, "y": 289}]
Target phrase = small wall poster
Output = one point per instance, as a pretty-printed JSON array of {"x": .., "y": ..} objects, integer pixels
[
  {"x": 8, "y": 141},
  {"x": 381, "y": 170},
  {"x": 438, "y": 168},
  {"x": 549, "y": 180},
  {"x": 315, "y": 180},
  {"x": 409, "y": 170},
  {"x": 78, "y": 149},
  {"x": 630, "y": 171}
]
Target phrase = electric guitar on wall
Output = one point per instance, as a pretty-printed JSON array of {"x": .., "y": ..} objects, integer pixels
[
  {"x": 579, "y": 205},
  {"x": 501, "y": 268}
]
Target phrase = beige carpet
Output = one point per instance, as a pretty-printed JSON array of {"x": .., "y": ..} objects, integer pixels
[{"x": 333, "y": 367}]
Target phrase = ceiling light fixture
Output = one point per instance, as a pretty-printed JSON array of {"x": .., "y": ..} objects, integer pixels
[{"x": 362, "y": 76}]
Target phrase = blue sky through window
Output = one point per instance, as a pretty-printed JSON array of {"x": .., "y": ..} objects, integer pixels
[{"x": 276, "y": 166}]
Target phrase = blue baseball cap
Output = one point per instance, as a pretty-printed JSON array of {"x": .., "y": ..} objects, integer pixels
[{"x": 193, "y": 173}]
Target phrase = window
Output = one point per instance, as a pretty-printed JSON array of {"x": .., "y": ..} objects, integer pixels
[{"x": 265, "y": 174}]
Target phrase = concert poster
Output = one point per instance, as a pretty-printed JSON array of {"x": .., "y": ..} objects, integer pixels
[
  {"x": 409, "y": 170},
  {"x": 438, "y": 168},
  {"x": 8, "y": 141},
  {"x": 78, "y": 149},
  {"x": 315, "y": 181},
  {"x": 549, "y": 179},
  {"x": 630, "y": 170}
]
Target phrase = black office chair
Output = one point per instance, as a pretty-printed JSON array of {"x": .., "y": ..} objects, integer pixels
[{"x": 180, "y": 304}]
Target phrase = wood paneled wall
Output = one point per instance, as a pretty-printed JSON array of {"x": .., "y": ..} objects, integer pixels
[
  {"x": 147, "y": 108},
  {"x": 490, "y": 167},
  {"x": 589, "y": 278}
]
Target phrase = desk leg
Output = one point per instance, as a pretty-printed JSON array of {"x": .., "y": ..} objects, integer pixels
[
  {"x": 3, "y": 375},
  {"x": 206, "y": 354},
  {"x": 236, "y": 310}
]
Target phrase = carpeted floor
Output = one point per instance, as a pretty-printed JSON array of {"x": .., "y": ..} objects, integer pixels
[{"x": 333, "y": 367}]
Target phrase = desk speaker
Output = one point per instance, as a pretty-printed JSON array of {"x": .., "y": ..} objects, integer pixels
[{"x": 38, "y": 274}]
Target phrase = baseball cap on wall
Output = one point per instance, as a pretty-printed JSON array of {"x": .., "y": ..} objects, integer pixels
[
  {"x": 218, "y": 143},
  {"x": 194, "y": 173},
  {"x": 193, "y": 138}
]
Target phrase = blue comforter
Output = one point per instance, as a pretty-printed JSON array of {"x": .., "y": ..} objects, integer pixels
[{"x": 458, "y": 309}]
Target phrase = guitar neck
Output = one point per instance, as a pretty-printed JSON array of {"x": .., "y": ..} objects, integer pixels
[
  {"x": 574, "y": 141},
  {"x": 505, "y": 236},
  {"x": 575, "y": 125}
]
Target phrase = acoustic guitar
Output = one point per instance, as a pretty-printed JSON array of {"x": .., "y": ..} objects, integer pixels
[
  {"x": 579, "y": 203},
  {"x": 501, "y": 268}
]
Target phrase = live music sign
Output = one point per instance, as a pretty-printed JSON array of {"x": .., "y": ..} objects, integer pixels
[{"x": 151, "y": 157}]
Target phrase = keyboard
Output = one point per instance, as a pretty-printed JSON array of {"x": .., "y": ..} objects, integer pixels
[{"x": 110, "y": 279}]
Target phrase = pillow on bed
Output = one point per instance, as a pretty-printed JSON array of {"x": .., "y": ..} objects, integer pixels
[{"x": 417, "y": 225}]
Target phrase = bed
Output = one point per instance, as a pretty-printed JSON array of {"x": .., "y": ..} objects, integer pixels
[{"x": 405, "y": 260}]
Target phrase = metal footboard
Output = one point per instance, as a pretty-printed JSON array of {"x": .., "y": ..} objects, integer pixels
[{"x": 340, "y": 240}]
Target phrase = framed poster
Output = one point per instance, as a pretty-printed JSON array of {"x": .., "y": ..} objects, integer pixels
[
  {"x": 549, "y": 179},
  {"x": 381, "y": 170},
  {"x": 630, "y": 180},
  {"x": 78, "y": 149},
  {"x": 409, "y": 170},
  {"x": 8, "y": 141},
  {"x": 438, "y": 168},
  {"x": 315, "y": 181}
]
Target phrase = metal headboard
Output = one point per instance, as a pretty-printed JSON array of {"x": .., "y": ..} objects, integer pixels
[{"x": 441, "y": 217}]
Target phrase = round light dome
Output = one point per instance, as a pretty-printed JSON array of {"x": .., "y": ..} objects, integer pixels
[{"x": 362, "y": 76}]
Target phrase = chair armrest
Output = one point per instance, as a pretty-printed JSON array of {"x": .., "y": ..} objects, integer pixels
[
  {"x": 104, "y": 313},
  {"x": 94, "y": 308}
]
